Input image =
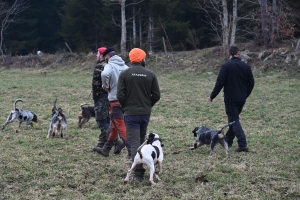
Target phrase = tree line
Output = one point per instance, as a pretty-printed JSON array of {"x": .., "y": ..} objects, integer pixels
[{"x": 50, "y": 26}]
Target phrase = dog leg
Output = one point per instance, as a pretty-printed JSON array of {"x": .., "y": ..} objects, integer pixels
[
  {"x": 20, "y": 124},
  {"x": 152, "y": 172},
  {"x": 133, "y": 167},
  {"x": 49, "y": 133},
  {"x": 79, "y": 118},
  {"x": 61, "y": 132},
  {"x": 83, "y": 121},
  {"x": 225, "y": 146},
  {"x": 197, "y": 144}
]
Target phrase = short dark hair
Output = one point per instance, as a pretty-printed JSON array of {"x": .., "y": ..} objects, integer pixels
[{"x": 233, "y": 50}]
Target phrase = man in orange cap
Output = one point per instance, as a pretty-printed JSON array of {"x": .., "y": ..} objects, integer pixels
[
  {"x": 100, "y": 97},
  {"x": 138, "y": 91}
]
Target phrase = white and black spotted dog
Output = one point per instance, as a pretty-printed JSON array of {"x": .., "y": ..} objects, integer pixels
[
  {"x": 22, "y": 115},
  {"x": 58, "y": 122},
  {"x": 149, "y": 154},
  {"x": 210, "y": 137}
]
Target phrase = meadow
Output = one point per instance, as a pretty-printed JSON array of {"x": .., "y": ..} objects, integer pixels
[{"x": 33, "y": 167}]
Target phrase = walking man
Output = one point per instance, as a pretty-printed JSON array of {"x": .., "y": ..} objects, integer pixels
[{"x": 236, "y": 78}]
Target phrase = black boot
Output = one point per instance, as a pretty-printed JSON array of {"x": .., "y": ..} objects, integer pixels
[
  {"x": 139, "y": 174},
  {"x": 106, "y": 148},
  {"x": 119, "y": 145},
  {"x": 102, "y": 138}
]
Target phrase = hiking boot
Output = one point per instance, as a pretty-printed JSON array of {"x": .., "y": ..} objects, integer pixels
[
  {"x": 119, "y": 145},
  {"x": 240, "y": 149},
  {"x": 103, "y": 151}
]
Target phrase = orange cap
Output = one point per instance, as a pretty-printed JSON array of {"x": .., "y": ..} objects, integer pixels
[{"x": 136, "y": 55}]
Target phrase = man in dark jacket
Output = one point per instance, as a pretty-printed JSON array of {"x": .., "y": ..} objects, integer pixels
[
  {"x": 138, "y": 91},
  {"x": 236, "y": 78},
  {"x": 100, "y": 97}
]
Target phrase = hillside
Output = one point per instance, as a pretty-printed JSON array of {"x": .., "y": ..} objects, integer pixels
[{"x": 284, "y": 58}]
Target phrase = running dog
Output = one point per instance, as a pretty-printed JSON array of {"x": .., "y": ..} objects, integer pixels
[
  {"x": 210, "y": 137},
  {"x": 58, "y": 123},
  {"x": 87, "y": 112},
  {"x": 22, "y": 115},
  {"x": 149, "y": 154}
]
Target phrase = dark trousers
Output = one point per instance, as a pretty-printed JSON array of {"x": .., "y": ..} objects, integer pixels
[
  {"x": 233, "y": 110},
  {"x": 102, "y": 117},
  {"x": 136, "y": 128}
]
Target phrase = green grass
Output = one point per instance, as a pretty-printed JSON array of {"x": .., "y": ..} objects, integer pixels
[{"x": 33, "y": 167}]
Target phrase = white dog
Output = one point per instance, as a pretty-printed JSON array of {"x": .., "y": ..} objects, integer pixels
[
  {"x": 149, "y": 154},
  {"x": 22, "y": 115},
  {"x": 58, "y": 122}
]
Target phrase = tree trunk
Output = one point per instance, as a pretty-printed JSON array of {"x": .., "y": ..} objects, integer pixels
[
  {"x": 133, "y": 27},
  {"x": 123, "y": 27},
  {"x": 225, "y": 24},
  {"x": 140, "y": 31},
  {"x": 263, "y": 11},
  {"x": 150, "y": 34},
  {"x": 234, "y": 22},
  {"x": 274, "y": 13}
]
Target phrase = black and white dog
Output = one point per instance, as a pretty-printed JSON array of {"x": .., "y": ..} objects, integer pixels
[
  {"x": 22, "y": 115},
  {"x": 149, "y": 154},
  {"x": 210, "y": 137},
  {"x": 58, "y": 122}
]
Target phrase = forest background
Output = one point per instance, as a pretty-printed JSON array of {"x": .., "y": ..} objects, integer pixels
[{"x": 81, "y": 26}]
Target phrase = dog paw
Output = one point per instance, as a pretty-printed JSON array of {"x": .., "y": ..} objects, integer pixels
[{"x": 192, "y": 148}]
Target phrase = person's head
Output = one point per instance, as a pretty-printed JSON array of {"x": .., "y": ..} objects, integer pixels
[
  {"x": 108, "y": 53},
  {"x": 100, "y": 53},
  {"x": 137, "y": 55},
  {"x": 234, "y": 51}
]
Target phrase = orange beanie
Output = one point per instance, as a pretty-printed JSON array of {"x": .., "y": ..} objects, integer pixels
[{"x": 136, "y": 55}]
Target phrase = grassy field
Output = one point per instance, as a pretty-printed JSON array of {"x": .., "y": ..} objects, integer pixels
[{"x": 33, "y": 167}]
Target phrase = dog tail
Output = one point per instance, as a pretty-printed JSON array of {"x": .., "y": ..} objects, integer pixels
[
  {"x": 16, "y": 103},
  {"x": 54, "y": 104},
  {"x": 84, "y": 104},
  {"x": 139, "y": 150}
]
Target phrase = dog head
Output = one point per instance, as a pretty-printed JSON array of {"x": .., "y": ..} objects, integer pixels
[
  {"x": 35, "y": 119},
  {"x": 151, "y": 137},
  {"x": 199, "y": 130}
]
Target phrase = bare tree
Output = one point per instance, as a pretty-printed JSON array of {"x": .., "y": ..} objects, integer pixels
[
  {"x": 218, "y": 19},
  {"x": 234, "y": 22},
  {"x": 123, "y": 22},
  {"x": 263, "y": 12},
  {"x": 9, "y": 14}
]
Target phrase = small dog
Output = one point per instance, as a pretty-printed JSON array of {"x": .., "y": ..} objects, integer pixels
[
  {"x": 22, "y": 115},
  {"x": 149, "y": 154},
  {"x": 58, "y": 122},
  {"x": 87, "y": 112},
  {"x": 210, "y": 137}
]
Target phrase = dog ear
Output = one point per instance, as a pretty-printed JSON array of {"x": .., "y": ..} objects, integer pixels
[
  {"x": 150, "y": 138},
  {"x": 195, "y": 131}
]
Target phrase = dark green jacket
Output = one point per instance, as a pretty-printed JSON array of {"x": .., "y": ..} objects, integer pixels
[{"x": 138, "y": 90}]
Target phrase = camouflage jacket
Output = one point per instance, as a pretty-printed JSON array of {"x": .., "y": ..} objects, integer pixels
[{"x": 97, "y": 81}]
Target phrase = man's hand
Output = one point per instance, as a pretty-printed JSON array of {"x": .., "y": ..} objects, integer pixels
[{"x": 209, "y": 99}]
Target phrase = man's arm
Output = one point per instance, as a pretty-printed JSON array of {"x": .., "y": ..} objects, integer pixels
[
  {"x": 220, "y": 82},
  {"x": 155, "y": 91},
  {"x": 121, "y": 90},
  {"x": 105, "y": 77}
]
